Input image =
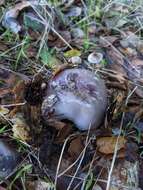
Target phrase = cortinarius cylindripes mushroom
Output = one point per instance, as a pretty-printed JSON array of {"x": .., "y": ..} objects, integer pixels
[
  {"x": 9, "y": 159},
  {"x": 77, "y": 95}
]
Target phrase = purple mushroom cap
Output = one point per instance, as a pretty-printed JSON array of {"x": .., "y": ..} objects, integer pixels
[{"x": 78, "y": 95}]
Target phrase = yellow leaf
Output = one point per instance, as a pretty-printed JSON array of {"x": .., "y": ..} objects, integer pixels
[
  {"x": 3, "y": 111},
  {"x": 20, "y": 129},
  {"x": 72, "y": 53}
]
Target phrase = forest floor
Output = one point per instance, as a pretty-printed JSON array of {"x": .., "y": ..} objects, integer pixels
[{"x": 38, "y": 41}]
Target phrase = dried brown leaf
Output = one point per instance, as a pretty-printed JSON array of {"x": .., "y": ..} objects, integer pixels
[
  {"x": 106, "y": 145},
  {"x": 65, "y": 131},
  {"x": 75, "y": 148},
  {"x": 20, "y": 129}
]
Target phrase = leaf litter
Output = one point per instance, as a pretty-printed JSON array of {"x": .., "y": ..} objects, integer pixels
[{"x": 68, "y": 35}]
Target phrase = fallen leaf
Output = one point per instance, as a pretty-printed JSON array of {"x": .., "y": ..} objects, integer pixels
[
  {"x": 10, "y": 19},
  {"x": 64, "y": 133},
  {"x": 3, "y": 110},
  {"x": 76, "y": 147},
  {"x": 131, "y": 152},
  {"x": 72, "y": 53},
  {"x": 116, "y": 61},
  {"x": 130, "y": 40},
  {"x": 106, "y": 145},
  {"x": 59, "y": 69},
  {"x": 32, "y": 21},
  {"x": 59, "y": 125},
  {"x": 20, "y": 128},
  {"x": 11, "y": 87},
  {"x": 63, "y": 40},
  {"x": 124, "y": 174},
  {"x": 107, "y": 40}
]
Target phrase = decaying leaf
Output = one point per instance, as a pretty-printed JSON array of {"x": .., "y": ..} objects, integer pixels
[
  {"x": 107, "y": 41},
  {"x": 106, "y": 145},
  {"x": 125, "y": 174},
  {"x": 39, "y": 185},
  {"x": 64, "y": 133},
  {"x": 32, "y": 21},
  {"x": 76, "y": 147},
  {"x": 10, "y": 19},
  {"x": 116, "y": 61},
  {"x": 63, "y": 39},
  {"x": 3, "y": 110},
  {"x": 130, "y": 40},
  {"x": 12, "y": 90},
  {"x": 20, "y": 129},
  {"x": 59, "y": 125}
]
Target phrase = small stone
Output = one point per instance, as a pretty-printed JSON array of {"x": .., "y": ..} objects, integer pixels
[
  {"x": 96, "y": 187},
  {"x": 43, "y": 86},
  {"x": 130, "y": 40},
  {"x": 77, "y": 33},
  {"x": 95, "y": 58},
  {"x": 74, "y": 11},
  {"x": 67, "y": 3},
  {"x": 75, "y": 60}
]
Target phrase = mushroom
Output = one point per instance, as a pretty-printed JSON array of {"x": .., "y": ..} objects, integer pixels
[
  {"x": 77, "y": 95},
  {"x": 8, "y": 159}
]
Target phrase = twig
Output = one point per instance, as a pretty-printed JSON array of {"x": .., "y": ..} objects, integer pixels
[{"x": 12, "y": 105}]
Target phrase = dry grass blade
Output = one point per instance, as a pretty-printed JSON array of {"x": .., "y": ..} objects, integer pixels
[
  {"x": 49, "y": 25},
  {"x": 82, "y": 157},
  {"x": 116, "y": 146},
  {"x": 60, "y": 159}
]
